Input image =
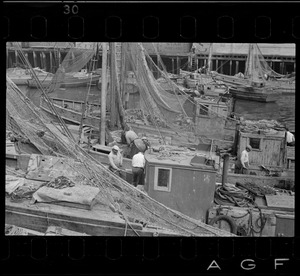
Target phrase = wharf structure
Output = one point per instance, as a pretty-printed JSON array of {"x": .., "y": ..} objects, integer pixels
[{"x": 227, "y": 58}]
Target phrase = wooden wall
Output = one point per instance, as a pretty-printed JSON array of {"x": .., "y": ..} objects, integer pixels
[
  {"x": 271, "y": 151},
  {"x": 192, "y": 191}
]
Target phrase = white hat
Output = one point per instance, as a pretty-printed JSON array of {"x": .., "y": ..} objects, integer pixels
[
  {"x": 144, "y": 138},
  {"x": 249, "y": 147},
  {"x": 115, "y": 147}
]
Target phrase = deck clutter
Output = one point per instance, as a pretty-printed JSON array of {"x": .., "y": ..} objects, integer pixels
[{"x": 58, "y": 180}]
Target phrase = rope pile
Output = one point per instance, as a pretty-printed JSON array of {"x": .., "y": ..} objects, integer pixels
[
  {"x": 234, "y": 196},
  {"x": 60, "y": 182}
]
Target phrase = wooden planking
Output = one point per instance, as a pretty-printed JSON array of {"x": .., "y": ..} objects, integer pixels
[
  {"x": 41, "y": 224},
  {"x": 290, "y": 153},
  {"x": 259, "y": 180},
  {"x": 270, "y": 153},
  {"x": 281, "y": 202},
  {"x": 285, "y": 225},
  {"x": 98, "y": 216},
  {"x": 55, "y": 230}
]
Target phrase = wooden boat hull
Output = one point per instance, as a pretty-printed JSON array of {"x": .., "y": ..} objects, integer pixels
[
  {"x": 67, "y": 82},
  {"x": 70, "y": 115},
  {"x": 286, "y": 87},
  {"x": 20, "y": 80},
  {"x": 96, "y": 222},
  {"x": 255, "y": 94}
]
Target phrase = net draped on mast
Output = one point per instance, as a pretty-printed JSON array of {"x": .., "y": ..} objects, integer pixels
[
  {"x": 73, "y": 62},
  {"x": 257, "y": 66},
  {"x": 165, "y": 108},
  {"x": 25, "y": 119}
]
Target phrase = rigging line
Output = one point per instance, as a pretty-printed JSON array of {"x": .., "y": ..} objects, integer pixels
[
  {"x": 187, "y": 96},
  {"x": 146, "y": 103},
  {"x": 87, "y": 96},
  {"x": 67, "y": 131},
  {"x": 154, "y": 121}
]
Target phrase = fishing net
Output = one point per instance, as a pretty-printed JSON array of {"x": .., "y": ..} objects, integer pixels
[
  {"x": 24, "y": 119},
  {"x": 170, "y": 107},
  {"x": 154, "y": 100},
  {"x": 74, "y": 61},
  {"x": 257, "y": 66}
]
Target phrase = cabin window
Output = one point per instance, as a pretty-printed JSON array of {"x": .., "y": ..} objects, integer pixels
[
  {"x": 255, "y": 143},
  {"x": 204, "y": 109},
  {"x": 162, "y": 179}
]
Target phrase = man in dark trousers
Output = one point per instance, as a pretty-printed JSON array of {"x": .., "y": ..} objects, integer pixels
[{"x": 138, "y": 166}]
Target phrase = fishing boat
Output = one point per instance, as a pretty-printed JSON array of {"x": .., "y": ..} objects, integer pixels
[
  {"x": 253, "y": 84},
  {"x": 78, "y": 79},
  {"x": 285, "y": 84},
  {"x": 47, "y": 191},
  {"x": 71, "y": 111},
  {"x": 21, "y": 76},
  {"x": 164, "y": 171},
  {"x": 249, "y": 90},
  {"x": 203, "y": 82}
]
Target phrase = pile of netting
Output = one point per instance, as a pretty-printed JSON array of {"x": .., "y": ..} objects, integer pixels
[
  {"x": 24, "y": 119},
  {"x": 261, "y": 126}
]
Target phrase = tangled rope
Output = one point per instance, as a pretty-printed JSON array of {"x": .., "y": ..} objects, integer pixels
[
  {"x": 231, "y": 195},
  {"x": 60, "y": 182}
]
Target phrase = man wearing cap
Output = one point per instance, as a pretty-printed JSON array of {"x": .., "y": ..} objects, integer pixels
[
  {"x": 146, "y": 142},
  {"x": 242, "y": 163},
  {"x": 115, "y": 160}
]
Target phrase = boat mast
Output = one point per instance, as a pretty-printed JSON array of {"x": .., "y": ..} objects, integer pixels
[
  {"x": 103, "y": 94},
  {"x": 249, "y": 63},
  {"x": 209, "y": 60}
]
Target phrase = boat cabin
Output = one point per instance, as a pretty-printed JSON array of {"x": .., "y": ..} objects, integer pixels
[
  {"x": 269, "y": 148},
  {"x": 211, "y": 116},
  {"x": 183, "y": 183}
]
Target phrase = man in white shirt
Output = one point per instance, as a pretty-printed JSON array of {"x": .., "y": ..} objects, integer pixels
[
  {"x": 290, "y": 138},
  {"x": 115, "y": 160},
  {"x": 242, "y": 163},
  {"x": 138, "y": 165}
]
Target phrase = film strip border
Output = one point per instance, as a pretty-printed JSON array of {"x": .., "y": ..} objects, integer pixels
[
  {"x": 182, "y": 256},
  {"x": 77, "y": 21}
]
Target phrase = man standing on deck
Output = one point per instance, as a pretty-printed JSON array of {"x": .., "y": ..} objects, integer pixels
[
  {"x": 115, "y": 160},
  {"x": 138, "y": 165},
  {"x": 242, "y": 163},
  {"x": 290, "y": 138}
]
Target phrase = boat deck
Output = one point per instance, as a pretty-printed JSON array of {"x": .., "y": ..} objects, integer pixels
[{"x": 99, "y": 221}]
